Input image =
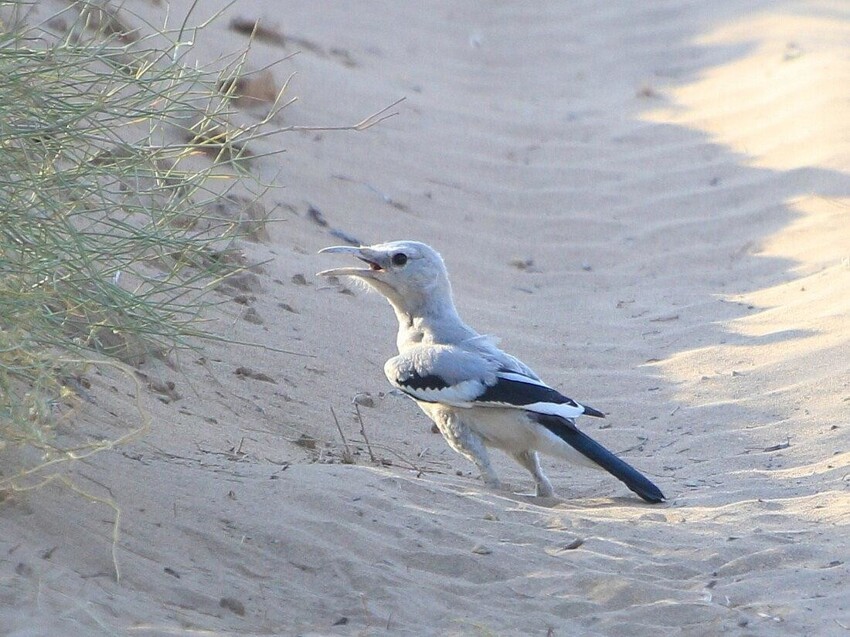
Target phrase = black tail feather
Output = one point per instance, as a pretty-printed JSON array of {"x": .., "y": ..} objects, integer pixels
[{"x": 591, "y": 449}]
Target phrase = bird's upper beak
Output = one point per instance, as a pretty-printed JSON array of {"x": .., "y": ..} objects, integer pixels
[{"x": 375, "y": 259}]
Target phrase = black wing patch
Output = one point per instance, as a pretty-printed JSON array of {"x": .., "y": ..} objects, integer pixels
[
  {"x": 428, "y": 381},
  {"x": 518, "y": 393},
  {"x": 515, "y": 392},
  {"x": 590, "y": 411}
]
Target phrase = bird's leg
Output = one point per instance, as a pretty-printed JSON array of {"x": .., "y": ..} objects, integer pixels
[
  {"x": 470, "y": 445},
  {"x": 530, "y": 461},
  {"x": 472, "y": 448}
]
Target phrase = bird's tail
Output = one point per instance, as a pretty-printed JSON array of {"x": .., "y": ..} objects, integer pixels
[{"x": 588, "y": 447}]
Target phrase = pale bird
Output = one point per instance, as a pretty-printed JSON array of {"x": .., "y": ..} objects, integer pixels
[{"x": 476, "y": 394}]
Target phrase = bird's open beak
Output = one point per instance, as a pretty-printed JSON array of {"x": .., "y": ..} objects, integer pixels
[{"x": 373, "y": 258}]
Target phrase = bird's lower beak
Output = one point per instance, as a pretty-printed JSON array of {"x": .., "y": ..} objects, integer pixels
[{"x": 364, "y": 254}]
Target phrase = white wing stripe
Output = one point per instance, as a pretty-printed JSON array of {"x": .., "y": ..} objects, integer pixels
[
  {"x": 554, "y": 409},
  {"x": 521, "y": 378},
  {"x": 459, "y": 395}
]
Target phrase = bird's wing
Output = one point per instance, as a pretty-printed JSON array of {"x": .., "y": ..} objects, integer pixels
[
  {"x": 443, "y": 374},
  {"x": 456, "y": 376},
  {"x": 514, "y": 389}
]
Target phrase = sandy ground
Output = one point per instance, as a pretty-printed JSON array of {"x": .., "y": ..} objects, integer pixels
[{"x": 648, "y": 202}]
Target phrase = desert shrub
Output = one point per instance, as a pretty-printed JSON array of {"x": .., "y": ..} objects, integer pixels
[{"x": 113, "y": 154}]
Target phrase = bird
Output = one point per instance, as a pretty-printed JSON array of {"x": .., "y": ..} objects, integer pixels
[{"x": 478, "y": 396}]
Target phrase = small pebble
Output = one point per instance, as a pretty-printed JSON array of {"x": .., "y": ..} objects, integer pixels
[
  {"x": 364, "y": 400},
  {"x": 308, "y": 442},
  {"x": 252, "y": 316},
  {"x": 480, "y": 549},
  {"x": 233, "y": 605}
]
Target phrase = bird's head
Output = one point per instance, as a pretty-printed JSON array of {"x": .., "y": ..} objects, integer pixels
[{"x": 410, "y": 274}]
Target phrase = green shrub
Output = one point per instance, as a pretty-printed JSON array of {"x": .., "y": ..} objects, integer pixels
[{"x": 109, "y": 235}]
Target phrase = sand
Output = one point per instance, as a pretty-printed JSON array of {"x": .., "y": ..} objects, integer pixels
[{"x": 647, "y": 202}]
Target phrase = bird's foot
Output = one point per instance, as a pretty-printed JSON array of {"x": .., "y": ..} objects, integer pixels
[
  {"x": 494, "y": 483},
  {"x": 544, "y": 490}
]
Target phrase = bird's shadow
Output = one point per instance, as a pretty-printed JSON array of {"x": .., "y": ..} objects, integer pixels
[{"x": 507, "y": 494}]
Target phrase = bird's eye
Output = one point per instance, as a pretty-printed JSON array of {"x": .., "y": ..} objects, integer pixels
[{"x": 399, "y": 258}]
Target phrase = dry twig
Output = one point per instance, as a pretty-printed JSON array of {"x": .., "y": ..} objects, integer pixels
[
  {"x": 363, "y": 433},
  {"x": 347, "y": 456}
]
